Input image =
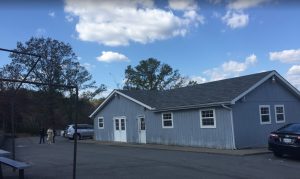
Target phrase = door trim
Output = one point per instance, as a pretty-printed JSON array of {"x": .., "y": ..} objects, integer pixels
[
  {"x": 114, "y": 128},
  {"x": 140, "y": 131}
]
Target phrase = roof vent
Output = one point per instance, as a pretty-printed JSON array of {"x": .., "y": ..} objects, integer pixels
[
  {"x": 273, "y": 79},
  {"x": 244, "y": 99}
]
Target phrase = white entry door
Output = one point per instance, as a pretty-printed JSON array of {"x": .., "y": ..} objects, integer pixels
[
  {"x": 120, "y": 129},
  {"x": 142, "y": 129}
]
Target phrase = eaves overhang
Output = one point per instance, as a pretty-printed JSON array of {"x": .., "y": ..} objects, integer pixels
[{"x": 204, "y": 105}]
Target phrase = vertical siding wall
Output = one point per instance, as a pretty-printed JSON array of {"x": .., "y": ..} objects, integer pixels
[
  {"x": 186, "y": 124},
  {"x": 248, "y": 130},
  {"x": 186, "y": 130},
  {"x": 118, "y": 106}
]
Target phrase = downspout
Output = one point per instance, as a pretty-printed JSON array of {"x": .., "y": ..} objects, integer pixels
[{"x": 232, "y": 126}]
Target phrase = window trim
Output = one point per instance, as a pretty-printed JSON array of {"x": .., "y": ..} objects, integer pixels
[
  {"x": 162, "y": 120},
  {"x": 279, "y": 105},
  {"x": 208, "y": 126},
  {"x": 102, "y": 122},
  {"x": 260, "y": 115}
]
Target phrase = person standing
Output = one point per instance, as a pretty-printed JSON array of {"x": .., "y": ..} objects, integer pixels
[
  {"x": 49, "y": 135},
  {"x": 54, "y": 134},
  {"x": 42, "y": 135}
]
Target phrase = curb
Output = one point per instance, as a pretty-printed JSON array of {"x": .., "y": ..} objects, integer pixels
[{"x": 241, "y": 152}]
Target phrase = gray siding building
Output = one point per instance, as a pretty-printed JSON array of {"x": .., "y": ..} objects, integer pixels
[{"x": 229, "y": 114}]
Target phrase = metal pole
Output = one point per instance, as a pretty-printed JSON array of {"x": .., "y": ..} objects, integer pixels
[
  {"x": 13, "y": 132},
  {"x": 58, "y": 85},
  {"x": 75, "y": 138},
  {"x": 14, "y": 51},
  {"x": 37, "y": 83},
  {"x": 13, "y": 108}
]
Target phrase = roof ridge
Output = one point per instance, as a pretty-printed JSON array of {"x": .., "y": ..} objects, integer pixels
[{"x": 226, "y": 79}]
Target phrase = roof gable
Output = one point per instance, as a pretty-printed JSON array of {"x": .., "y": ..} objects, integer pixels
[{"x": 114, "y": 92}]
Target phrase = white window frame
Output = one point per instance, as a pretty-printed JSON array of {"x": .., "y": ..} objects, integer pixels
[
  {"x": 260, "y": 115},
  {"x": 214, "y": 118},
  {"x": 99, "y": 122},
  {"x": 162, "y": 120},
  {"x": 279, "y": 105}
]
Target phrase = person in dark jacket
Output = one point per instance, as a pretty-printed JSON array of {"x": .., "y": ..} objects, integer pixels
[
  {"x": 54, "y": 134},
  {"x": 42, "y": 135}
]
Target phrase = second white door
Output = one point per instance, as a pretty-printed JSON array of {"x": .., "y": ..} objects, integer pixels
[{"x": 142, "y": 129}]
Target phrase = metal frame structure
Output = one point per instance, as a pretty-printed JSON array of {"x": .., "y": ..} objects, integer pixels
[{"x": 24, "y": 80}]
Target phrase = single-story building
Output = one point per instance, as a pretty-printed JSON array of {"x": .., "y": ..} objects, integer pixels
[{"x": 230, "y": 114}]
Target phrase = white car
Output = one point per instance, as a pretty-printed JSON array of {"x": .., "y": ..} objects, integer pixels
[{"x": 83, "y": 131}]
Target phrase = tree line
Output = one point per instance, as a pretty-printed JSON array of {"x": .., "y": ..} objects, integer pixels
[{"x": 48, "y": 106}]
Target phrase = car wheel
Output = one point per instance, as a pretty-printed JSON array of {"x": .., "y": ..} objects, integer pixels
[{"x": 277, "y": 154}]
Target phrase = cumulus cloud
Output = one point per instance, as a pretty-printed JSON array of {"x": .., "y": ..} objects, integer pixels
[
  {"x": 199, "y": 79},
  {"x": 235, "y": 19},
  {"x": 293, "y": 76},
  {"x": 183, "y": 4},
  {"x": 120, "y": 22},
  {"x": 109, "y": 56},
  {"x": 230, "y": 68},
  {"x": 245, "y": 4},
  {"x": 215, "y": 1},
  {"x": 235, "y": 16},
  {"x": 294, "y": 70},
  {"x": 286, "y": 56}
]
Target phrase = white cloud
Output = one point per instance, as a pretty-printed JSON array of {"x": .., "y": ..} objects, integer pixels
[
  {"x": 235, "y": 16},
  {"x": 250, "y": 60},
  {"x": 245, "y": 4},
  {"x": 120, "y": 22},
  {"x": 235, "y": 19},
  {"x": 215, "y": 1},
  {"x": 183, "y": 4},
  {"x": 108, "y": 56},
  {"x": 230, "y": 68},
  {"x": 51, "y": 14},
  {"x": 286, "y": 56},
  {"x": 294, "y": 70},
  {"x": 293, "y": 76},
  {"x": 199, "y": 79}
]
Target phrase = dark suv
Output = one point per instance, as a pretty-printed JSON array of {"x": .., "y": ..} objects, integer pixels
[{"x": 83, "y": 131}]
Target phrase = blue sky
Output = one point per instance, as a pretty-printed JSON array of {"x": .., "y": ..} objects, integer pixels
[{"x": 205, "y": 40}]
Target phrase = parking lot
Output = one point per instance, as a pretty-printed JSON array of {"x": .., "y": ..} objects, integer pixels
[{"x": 106, "y": 161}]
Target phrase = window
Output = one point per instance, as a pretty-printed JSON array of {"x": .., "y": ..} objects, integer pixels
[
  {"x": 207, "y": 118},
  {"x": 123, "y": 124},
  {"x": 100, "y": 123},
  {"x": 167, "y": 120},
  {"x": 279, "y": 113},
  {"x": 265, "y": 117}
]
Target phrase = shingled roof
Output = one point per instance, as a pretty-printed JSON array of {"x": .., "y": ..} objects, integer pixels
[
  {"x": 213, "y": 93},
  {"x": 222, "y": 91}
]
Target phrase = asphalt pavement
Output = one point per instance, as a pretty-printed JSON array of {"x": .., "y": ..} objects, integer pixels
[{"x": 97, "y": 160}]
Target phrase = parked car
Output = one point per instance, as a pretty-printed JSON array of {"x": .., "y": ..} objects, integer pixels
[
  {"x": 285, "y": 140},
  {"x": 83, "y": 131}
]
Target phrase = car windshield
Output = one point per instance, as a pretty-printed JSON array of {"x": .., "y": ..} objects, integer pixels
[{"x": 290, "y": 128}]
